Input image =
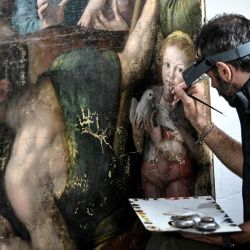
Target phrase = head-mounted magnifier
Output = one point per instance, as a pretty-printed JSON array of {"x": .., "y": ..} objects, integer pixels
[{"x": 193, "y": 72}]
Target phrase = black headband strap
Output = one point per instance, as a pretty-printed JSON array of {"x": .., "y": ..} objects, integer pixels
[
  {"x": 233, "y": 54},
  {"x": 200, "y": 67}
]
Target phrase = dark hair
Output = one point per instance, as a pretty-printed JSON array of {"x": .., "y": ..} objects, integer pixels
[{"x": 224, "y": 32}]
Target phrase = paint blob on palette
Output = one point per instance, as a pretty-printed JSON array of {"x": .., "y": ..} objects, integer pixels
[{"x": 199, "y": 214}]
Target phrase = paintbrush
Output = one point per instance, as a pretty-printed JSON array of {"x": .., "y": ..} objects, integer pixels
[{"x": 197, "y": 99}]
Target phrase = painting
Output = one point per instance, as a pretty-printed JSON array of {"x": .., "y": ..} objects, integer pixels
[{"x": 83, "y": 86}]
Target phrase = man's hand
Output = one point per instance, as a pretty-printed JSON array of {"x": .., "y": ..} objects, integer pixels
[
  {"x": 209, "y": 239},
  {"x": 176, "y": 98},
  {"x": 195, "y": 111},
  {"x": 49, "y": 13}
]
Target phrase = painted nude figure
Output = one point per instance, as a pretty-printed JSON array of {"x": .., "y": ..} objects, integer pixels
[{"x": 51, "y": 177}]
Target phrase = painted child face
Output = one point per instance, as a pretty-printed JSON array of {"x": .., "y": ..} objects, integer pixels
[{"x": 174, "y": 63}]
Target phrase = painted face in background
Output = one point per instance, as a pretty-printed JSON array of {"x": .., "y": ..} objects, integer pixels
[{"x": 174, "y": 63}]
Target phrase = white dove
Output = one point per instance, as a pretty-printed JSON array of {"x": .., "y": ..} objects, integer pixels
[
  {"x": 162, "y": 118},
  {"x": 144, "y": 107}
]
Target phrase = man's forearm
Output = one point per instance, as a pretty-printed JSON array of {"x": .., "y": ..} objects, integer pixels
[{"x": 226, "y": 149}]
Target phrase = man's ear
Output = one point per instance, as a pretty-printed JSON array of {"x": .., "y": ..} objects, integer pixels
[
  {"x": 224, "y": 71},
  {"x": 5, "y": 89}
]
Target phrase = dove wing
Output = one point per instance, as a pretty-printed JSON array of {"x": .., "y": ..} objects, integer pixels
[
  {"x": 133, "y": 107},
  {"x": 163, "y": 119}
]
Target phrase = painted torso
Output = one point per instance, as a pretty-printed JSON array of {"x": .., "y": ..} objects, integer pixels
[{"x": 166, "y": 174}]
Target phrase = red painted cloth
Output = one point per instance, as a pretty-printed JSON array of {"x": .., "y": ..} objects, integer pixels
[{"x": 166, "y": 175}]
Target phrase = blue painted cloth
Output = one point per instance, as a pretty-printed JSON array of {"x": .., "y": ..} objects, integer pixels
[{"x": 26, "y": 20}]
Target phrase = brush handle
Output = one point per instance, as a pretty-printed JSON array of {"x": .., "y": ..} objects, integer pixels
[{"x": 197, "y": 99}]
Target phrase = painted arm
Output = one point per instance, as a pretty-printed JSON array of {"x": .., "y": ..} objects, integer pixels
[
  {"x": 137, "y": 53},
  {"x": 135, "y": 59},
  {"x": 36, "y": 171},
  {"x": 25, "y": 17}
]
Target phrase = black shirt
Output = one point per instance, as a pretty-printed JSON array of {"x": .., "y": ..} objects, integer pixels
[
  {"x": 242, "y": 104},
  {"x": 241, "y": 101}
]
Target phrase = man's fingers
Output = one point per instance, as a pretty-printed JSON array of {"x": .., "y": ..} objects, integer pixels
[
  {"x": 189, "y": 235},
  {"x": 175, "y": 101},
  {"x": 182, "y": 95},
  {"x": 173, "y": 92},
  {"x": 183, "y": 85}
]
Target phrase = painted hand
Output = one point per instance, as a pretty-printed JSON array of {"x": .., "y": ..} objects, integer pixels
[
  {"x": 50, "y": 13},
  {"x": 138, "y": 133},
  {"x": 93, "y": 7},
  {"x": 100, "y": 22},
  {"x": 154, "y": 131}
]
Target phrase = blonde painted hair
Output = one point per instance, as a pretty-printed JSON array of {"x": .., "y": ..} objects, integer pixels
[{"x": 180, "y": 40}]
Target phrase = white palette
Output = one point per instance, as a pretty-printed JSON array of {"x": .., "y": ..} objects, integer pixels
[{"x": 155, "y": 214}]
